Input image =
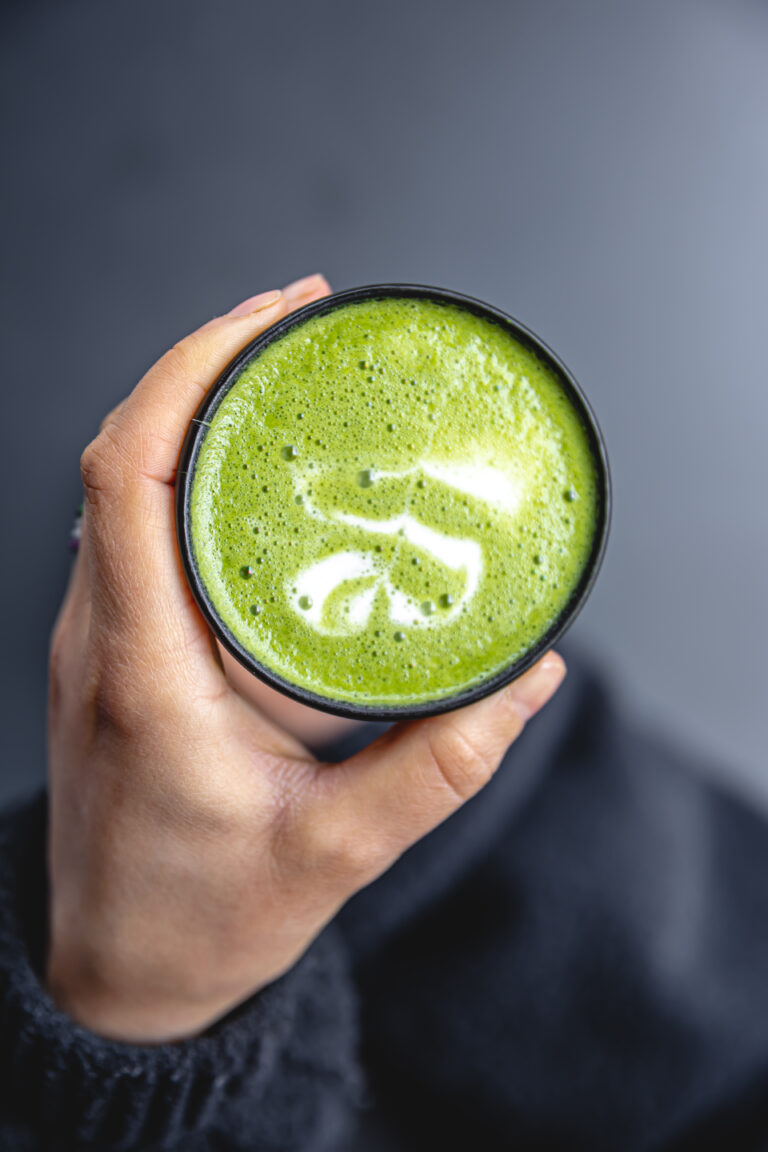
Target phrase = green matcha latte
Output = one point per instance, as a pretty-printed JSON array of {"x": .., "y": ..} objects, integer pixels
[{"x": 393, "y": 503}]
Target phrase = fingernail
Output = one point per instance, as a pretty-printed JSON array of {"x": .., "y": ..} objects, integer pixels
[
  {"x": 255, "y": 303},
  {"x": 307, "y": 284},
  {"x": 532, "y": 691}
]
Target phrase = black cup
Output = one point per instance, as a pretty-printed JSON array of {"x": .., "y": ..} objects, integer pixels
[{"x": 196, "y": 434}]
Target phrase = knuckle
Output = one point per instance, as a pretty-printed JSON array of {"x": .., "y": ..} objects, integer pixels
[
  {"x": 113, "y": 708},
  {"x": 460, "y": 761},
  {"x": 92, "y": 467},
  {"x": 341, "y": 856},
  {"x": 187, "y": 360},
  {"x": 125, "y": 699},
  {"x": 361, "y": 858},
  {"x": 508, "y": 716},
  {"x": 176, "y": 362},
  {"x": 102, "y": 463}
]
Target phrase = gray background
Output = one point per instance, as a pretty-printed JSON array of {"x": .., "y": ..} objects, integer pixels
[{"x": 600, "y": 170}]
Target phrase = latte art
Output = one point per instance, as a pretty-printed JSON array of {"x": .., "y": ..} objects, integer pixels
[
  {"x": 394, "y": 501},
  {"x": 362, "y": 576}
]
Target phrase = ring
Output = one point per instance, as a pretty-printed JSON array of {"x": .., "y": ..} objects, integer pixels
[{"x": 76, "y": 530}]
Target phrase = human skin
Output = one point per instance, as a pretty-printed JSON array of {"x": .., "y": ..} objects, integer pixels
[{"x": 196, "y": 845}]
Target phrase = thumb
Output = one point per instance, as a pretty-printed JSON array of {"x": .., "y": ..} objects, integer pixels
[{"x": 403, "y": 785}]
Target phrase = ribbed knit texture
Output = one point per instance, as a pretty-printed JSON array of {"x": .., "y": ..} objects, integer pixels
[{"x": 277, "y": 1073}]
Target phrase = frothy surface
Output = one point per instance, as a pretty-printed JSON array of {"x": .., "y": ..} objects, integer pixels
[{"x": 393, "y": 502}]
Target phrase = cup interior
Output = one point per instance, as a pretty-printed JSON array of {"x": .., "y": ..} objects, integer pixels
[{"x": 198, "y": 429}]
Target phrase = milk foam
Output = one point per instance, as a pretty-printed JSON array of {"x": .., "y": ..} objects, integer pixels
[
  {"x": 393, "y": 502},
  {"x": 315, "y": 584}
]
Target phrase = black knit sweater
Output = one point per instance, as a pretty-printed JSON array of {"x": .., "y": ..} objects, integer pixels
[{"x": 578, "y": 959}]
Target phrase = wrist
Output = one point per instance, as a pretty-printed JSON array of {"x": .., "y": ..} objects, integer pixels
[{"x": 128, "y": 1010}]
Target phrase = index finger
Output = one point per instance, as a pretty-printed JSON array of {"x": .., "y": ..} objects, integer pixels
[{"x": 128, "y": 471}]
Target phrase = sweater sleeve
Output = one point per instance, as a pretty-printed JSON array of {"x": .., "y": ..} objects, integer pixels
[
  {"x": 277, "y": 1073},
  {"x": 578, "y": 958}
]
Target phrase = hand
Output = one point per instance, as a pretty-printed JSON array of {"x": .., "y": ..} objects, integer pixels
[{"x": 196, "y": 847}]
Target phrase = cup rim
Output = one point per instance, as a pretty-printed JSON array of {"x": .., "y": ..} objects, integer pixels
[{"x": 195, "y": 436}]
